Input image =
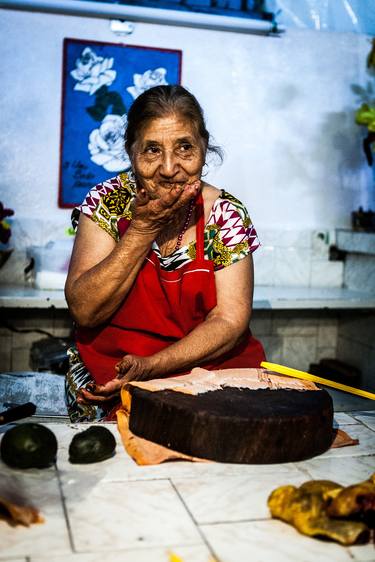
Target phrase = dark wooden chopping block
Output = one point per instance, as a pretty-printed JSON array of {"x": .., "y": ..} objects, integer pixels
[{"x": 236, "y": 425}]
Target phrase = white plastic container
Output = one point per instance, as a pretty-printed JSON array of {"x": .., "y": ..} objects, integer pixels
[{"x": 51, "y": 263}]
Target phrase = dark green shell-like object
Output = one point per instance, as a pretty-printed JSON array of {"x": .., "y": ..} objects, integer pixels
[
  {"x": 92, "y": 445},
  {"x": 29, "y": 445}
]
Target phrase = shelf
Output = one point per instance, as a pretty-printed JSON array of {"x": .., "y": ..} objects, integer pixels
[
  {"x": 307, "y": 298},
  {"x": 265, "y": 298},
  {"x": 355, "y": 242}
]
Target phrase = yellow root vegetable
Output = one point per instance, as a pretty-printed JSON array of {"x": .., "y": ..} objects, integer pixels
[{"x": 308, "y": 509}]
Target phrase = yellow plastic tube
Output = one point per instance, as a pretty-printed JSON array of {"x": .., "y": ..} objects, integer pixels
[{"x": 313, "y": 378}]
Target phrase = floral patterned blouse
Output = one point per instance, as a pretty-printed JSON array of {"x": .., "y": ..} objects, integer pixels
[{"x": 229, "y": 234}]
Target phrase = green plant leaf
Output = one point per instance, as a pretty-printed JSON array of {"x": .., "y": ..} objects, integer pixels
[
  {"x": 371, "y": 56},
  {"x": 365, "y": 115},
  {"x": 70, "y": 231}
]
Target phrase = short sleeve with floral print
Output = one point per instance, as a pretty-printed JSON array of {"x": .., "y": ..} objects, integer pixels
[{"x": 229, "y": 233}]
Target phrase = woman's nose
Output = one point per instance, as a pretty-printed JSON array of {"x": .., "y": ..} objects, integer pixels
[{"x": 169, "y": 166}]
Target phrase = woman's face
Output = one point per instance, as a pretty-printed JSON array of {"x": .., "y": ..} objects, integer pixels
[{"x": 167, "y": 154}]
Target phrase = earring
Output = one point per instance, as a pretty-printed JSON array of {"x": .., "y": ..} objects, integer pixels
[
  {"x": 132, "y": 179},
  {"x": 131, "y": 174}
]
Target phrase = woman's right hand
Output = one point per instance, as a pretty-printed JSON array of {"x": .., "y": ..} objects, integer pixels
[
  {"x": 152, "y": 214},
  {"x": 130, "y": 368},
  {"x": 102, "y": 272}
]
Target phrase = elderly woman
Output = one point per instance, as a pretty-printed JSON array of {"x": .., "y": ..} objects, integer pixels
[{"x": 161, "y": 276}]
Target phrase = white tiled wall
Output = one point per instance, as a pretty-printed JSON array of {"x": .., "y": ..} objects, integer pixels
[
  {"x": 296, "y": 338},
  {"x": 292, "y": 338},
  {"x": 16, "y": 339},
  {"x": 356, "y": 342},
  {"x": 360, "y": 272},
  {"x": 293, "y": 152},
  {"x": 297, "y": 258}
]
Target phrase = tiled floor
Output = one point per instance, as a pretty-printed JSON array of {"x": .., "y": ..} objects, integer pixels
[{"x": 117, "y": 511}]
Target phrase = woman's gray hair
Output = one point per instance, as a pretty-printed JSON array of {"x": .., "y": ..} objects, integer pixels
[{"x": 161, "y": 101}]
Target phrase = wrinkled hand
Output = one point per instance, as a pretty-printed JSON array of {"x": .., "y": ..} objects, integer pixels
[
  {"x": 130, "y": 368},
  {"x": 154, "y": 213}
]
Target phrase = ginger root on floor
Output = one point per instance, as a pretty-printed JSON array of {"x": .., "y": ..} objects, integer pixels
[{"x": 317, "y": 509}]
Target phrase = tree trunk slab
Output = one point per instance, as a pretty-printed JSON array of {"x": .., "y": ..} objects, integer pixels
[{"x": 236, "y": 425}]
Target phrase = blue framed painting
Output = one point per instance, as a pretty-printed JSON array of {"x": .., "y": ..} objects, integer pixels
[{"x": 100, "y": 82}]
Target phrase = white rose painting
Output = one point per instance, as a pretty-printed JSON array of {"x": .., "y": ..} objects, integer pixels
[
  {"x": 92, "y": 72},
  {"x": 106, "y": 144},
  {"x": 147, "y": 80},
  {"x": 100, "y": 83}
]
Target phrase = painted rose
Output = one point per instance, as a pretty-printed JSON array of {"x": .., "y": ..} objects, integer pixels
[
  {"x": 92, "y": 72},
  {"x": 148, "y": 79},
  {"x": 106, "y": 144}
]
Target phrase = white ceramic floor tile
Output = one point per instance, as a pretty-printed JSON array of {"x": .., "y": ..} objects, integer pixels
[
  {"x": 364, "y": 553},
  {"x": 341, "y": 418},
  {"x": 134, "y": 514},
  {"x": 13, "y": 559},
  {"x": 40, "y": 489},
  {"x": 195, "y": 470},
  {"x": 120, "y": 471},
  {"x": 351, "y": 471},
  {"x": 186, "y": 553},
  {"x": 114, "y": 468},
  {"x": 265, "y": 541},
  {"x": 118, "y": 515},
  {"x": 232, "y": 498},
  {"x": 366, "y": 444},
  {"x": 65, "y": 433},
  {"x": 367, "y": 418}
]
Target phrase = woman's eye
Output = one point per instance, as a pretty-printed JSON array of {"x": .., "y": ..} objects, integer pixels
[
  {"x": 152, "y": 150},
  {"x": 186, "y": 147}
]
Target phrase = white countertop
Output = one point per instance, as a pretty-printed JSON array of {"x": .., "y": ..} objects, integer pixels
[
  {"x": 28, "y": 297},
  {"x": 305, "y": 298},
  {"x": 265, "y": 298},
  {"x": 116, "y": 510}
]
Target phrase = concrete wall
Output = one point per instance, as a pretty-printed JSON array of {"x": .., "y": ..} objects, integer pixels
[
  {"x": 294, "y": 338},
  {"x": 282, "y": 108}
]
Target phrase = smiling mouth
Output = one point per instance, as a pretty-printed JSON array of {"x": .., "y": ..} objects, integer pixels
[{"x": 171, "y": 184}]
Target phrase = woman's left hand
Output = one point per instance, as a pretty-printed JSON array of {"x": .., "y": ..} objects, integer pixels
[{"x": 130, "y": 368}]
